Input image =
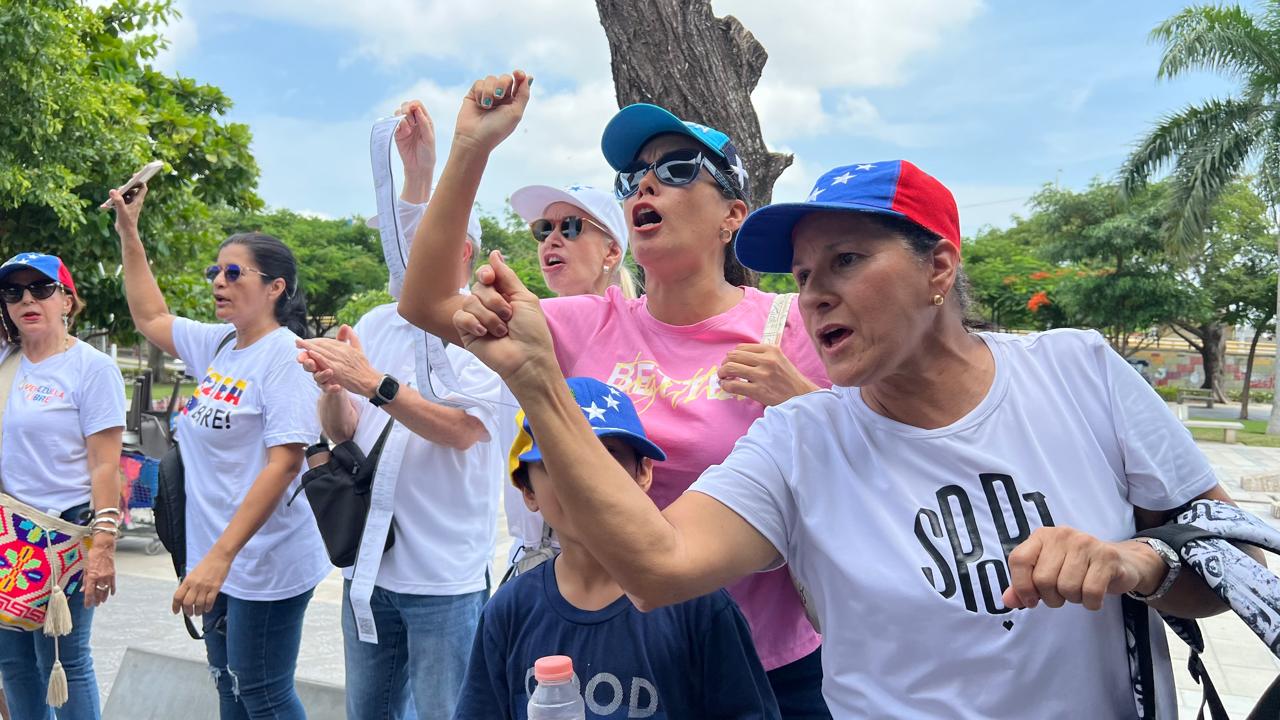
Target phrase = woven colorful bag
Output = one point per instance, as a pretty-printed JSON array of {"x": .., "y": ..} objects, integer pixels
[{"x": 41, "y": 565}]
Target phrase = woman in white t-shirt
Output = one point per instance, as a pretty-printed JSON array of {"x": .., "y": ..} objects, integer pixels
[
  {"x": 253, "y": 561},
  {"x": 947, "y": 485},
  {"x": 61, "y": 452}
]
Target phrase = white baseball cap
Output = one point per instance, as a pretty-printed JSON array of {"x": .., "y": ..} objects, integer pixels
[{"x": 530, "y": 202}]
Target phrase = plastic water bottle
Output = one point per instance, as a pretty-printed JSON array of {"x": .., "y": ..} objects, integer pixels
[{"x": 557, "y": 696}]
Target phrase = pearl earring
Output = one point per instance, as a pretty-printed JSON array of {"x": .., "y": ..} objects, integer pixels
[{"x": 606, "y": 269}]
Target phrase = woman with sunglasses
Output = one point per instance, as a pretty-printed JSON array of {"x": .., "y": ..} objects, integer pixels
[
  {"x": 63, "y": 421},
  {"x": 253, "y": 561},
  {"x": 689, "y": 353},
  {"x": 582, "y": 238}
]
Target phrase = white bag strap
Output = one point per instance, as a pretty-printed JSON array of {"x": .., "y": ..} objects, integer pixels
[
  {"x": 773, "y": 327},
  {"x": 777, "y": 319},
  {"x": 8, "y": 371}
]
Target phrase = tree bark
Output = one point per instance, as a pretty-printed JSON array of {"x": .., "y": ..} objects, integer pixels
[
  {"x": 678, "y": 54},
  {"x": 1248, "y": 368},
  {"x": 1212, "y": 347}
]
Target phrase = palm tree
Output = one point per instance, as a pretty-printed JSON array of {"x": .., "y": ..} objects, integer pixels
[{"x": 1212, "y": 143}]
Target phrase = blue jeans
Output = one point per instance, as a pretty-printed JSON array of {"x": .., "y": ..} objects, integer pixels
[
  {"x": 416, "y": 669},
  {"x": 252, "y": 646},
  {"x": 26, "y": 659}
]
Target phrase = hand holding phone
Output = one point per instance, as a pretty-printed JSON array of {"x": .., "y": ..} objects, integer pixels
[{"x": 131, "y": 187}]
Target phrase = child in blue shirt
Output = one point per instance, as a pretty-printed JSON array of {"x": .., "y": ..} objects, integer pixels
[{"x": 691, "y": 660}]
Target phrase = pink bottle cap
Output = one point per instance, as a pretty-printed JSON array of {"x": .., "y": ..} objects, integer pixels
[{"x": 553, "y": 668}]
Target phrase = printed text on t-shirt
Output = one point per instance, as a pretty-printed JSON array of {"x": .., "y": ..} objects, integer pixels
[
  {"x": 42, "y": 394},
  {"x": 221, "y": 393},
  {"x": 645, "y": 381},
  {"x": 959, "y": 556}
]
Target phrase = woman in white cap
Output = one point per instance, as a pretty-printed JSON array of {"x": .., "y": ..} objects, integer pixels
[
  {"x": 690, "y": 353},
  {"x": 962, "y": 506},
  {"x": 582, "y": 238},
  {"x": 63, "y": 420}
]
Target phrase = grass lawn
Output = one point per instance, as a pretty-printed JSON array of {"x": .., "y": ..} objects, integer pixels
[
  {"x": 161, "y": 392},
  {"x": 1254, "y": 434}
]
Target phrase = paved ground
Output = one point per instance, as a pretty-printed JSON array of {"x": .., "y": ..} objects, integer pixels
[{"x": 1239, "y": 663}]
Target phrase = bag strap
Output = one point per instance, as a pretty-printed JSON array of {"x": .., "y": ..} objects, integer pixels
[
  {"x": 225, "y": 341},
  {"x": 8, "y": 371},
  {"x": 777, "y": 319}
]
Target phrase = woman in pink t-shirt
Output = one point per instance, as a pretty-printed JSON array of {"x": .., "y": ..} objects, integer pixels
[{"x": 689, "y": 353}]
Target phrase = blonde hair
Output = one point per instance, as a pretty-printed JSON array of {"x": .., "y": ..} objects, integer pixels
[{"x": 624, "y": 279}]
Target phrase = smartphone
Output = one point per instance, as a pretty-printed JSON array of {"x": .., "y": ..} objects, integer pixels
[{"x": 130, "y": 188}]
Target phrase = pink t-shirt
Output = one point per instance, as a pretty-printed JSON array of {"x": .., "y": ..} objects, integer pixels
[{"x": 669, "y": 371}]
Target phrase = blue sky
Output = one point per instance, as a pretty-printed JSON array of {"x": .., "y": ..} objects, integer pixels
[{"x": 994, "y": 98}]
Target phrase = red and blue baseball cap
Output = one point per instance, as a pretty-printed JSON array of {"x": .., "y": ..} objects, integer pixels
[
  {"x": 610, "y": 413},
  {"x": 51, "y": 266},
  {"x": 635, "y": 125},
  {"x": 894, "y": 187}
]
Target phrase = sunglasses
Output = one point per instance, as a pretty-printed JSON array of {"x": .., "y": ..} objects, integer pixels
[
  {"x": 676, "y": 168},
  {"x": 231, "y": 271},
  {"x": 40, "y": 290},
  {"x": 570, "y": 227}
]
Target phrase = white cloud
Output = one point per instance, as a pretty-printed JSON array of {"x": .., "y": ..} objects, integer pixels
[
  {"x": 552, "y": 36},
  {"x": 848, "y": 43},
  {"x": 183, "y": 36}
]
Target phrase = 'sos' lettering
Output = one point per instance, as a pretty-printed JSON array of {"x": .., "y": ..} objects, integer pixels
[{"x": 953, "y": 542}]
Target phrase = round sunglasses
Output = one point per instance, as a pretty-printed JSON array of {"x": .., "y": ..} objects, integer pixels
[
  {"x": 231, "y": 271},
  {"x": 570, "y": 227},
  {"x": 40, "y": 290},
  {"x": 676, "y": 168}
]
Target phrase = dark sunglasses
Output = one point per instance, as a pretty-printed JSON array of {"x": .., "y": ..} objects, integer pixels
[
  {"x": 676, "y": 168},
  {"x": 230, "y": 270},
  {"x": 570, "y": 227},
  {"x": 40, "y": 290}
]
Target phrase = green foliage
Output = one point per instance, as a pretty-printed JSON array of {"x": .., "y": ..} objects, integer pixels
[
  {"x": 1209, "y": 144},
  {"x": 509, "y": 234},
  {"x": 83, "y": 110},
  {"x": 777, "y": 283},
  {"x": 336, "y": 258},
  {"x": 361, "y": 303},
  {"x": 1007, "y": 271},
  {"x": 1168, "y": 393}
]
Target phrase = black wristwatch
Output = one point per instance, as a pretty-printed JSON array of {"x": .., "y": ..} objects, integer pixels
[{"x": 386, "y": 391}]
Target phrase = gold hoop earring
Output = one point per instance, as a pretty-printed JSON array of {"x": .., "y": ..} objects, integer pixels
[{"x": 939, "y": 299}]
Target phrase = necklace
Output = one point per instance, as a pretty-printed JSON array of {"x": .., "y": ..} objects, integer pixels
[{"x": 66, "y": 345}]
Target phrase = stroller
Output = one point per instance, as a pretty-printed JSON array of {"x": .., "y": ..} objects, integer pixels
[{"x": 148, "y": 435}]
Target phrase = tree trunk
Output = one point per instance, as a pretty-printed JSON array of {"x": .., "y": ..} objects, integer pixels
[
  {"x": 1248, "y": 368},
  {"x": 1213, "y": 346},
  {"x": 678, "y": 54},
  {"x": 1273, "y": 425}
]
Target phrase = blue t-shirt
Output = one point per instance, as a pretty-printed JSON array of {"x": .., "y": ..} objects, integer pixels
[{"x": 694, "y": 659}]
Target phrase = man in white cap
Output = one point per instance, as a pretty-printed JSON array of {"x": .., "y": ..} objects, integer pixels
[{"x": 432, "y": 584}]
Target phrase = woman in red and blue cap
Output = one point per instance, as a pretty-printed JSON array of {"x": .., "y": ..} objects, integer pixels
[
  {"x": 63, "y": 420},
  {"x": 690, "y": 353},
  {"x": 962, "y": 506}
]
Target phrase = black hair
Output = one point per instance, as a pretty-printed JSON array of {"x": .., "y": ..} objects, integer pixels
[
  {"x": 922, "y": 241},
  {"x": 520, "y": 476},
  {"x": 276, "y": 260}
]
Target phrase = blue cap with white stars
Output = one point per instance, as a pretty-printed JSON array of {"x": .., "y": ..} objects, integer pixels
[
  {"x": 635, "y": 125},
  {"x": 610, "y": 413}
]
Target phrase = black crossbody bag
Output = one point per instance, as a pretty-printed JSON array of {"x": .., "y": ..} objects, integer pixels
[{"x": 338, "y": 492}]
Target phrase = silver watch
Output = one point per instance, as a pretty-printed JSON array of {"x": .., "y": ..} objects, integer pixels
[{"x": 1171, "y": 561}]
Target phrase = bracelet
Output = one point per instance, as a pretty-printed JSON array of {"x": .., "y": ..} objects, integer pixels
[
  {"x": 106, "y": 511},
  {"x": 112, "y": 521},
  {"x": 109, "y": 531}
]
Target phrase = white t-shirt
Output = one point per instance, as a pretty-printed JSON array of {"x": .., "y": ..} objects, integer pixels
[
  {"x": 248, "y": 400},
  {"x": 901, "y": 534},
  {"x": 446, "y": 500},
  {"x": 53, "y": 406}
]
